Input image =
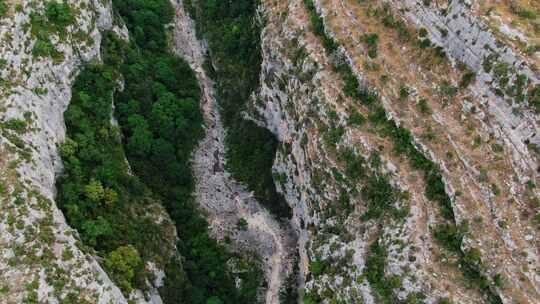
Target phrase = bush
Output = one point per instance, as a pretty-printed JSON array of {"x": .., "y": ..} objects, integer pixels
[
  {"x": 534, "y": 98},
  {"x": 3, "y": 8},
  {"x": 59, "y": 13},
  {"x": 375, "y": 272},
  {"x": 57, "y": 16},
  {"x": 356, "y": 119},
  {"x": 404, "y": 92},
  {"x": 17, "y": 125},
  {"x": 317, "y": 268},
  {"x": 467, "y": 78},
  {"x": 423, "y": 106},
  {"x": 371, "y": 40},
  {"x": 498, "y": 280},
  {"x": 450, "y": 236},
  {"x": 242, "y": 224},
  {"x": 122, "y": 264}
]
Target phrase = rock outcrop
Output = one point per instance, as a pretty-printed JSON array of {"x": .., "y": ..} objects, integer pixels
[
  {"x": 408, "y": 151},
  {"x": 302, "y": 101},
  {"x": 41, "y": 258}
]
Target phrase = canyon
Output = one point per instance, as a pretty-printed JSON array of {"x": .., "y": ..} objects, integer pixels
[{"x": 404, "y": 142}]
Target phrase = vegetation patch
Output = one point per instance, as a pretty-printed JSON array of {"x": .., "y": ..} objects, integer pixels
[
  {"x": 3, "y": 8},
  {"x": 159, "y": 126},
  {"x": 161, "y": 122},
  {"x": 98, "y": 196},
  {"x": 57, "y": 16},
  {"x": 375, "y": 273}
]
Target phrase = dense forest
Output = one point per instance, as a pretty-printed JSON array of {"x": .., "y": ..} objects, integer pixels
[{"x": 160, "y": 124}]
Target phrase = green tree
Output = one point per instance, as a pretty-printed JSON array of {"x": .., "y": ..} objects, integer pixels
[
  {"x": 140, "y": 141},
  {"x": 68, "y": 148},
  {"x": 93, "y": 229},
  {"x": 122, "y": 265},
  {"x": 214, "y": 300},
  {"x": 94, "y": 190},
  {"x": 111, "y": 197}
]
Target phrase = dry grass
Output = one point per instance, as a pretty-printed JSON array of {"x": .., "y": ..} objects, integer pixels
[
  {"x": 520, "y": 15},
  {"x": 453, "y": 133}
]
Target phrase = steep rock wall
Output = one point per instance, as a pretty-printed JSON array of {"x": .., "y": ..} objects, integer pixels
[
  {"x": 41, "y": 257},
  {"x": 467, "y": 39},
  {"x": 299, "y": 93},
  {"x": 301, "y": 99}
]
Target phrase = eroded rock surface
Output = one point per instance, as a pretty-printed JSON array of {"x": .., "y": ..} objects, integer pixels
[{"x": 38, "y": 250}]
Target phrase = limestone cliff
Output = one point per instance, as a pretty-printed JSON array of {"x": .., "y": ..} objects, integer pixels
[
  {"x": 409, "y": 152},
  {"x": 35, "y": 239},
  {"x": 42, "y": 259},
  {"x": 483, "y": 135}
]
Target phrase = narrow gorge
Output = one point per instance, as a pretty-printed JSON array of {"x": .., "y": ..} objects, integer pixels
[{"x": 269, "y": 151}]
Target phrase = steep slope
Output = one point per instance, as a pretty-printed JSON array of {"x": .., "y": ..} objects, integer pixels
[
  {"x": 75, "y": 50},
  {"x": 41, "y": 257},
  {"x": 334, "y": 134},
  {"x": 499, "y": 110},
  {"x": 342, "y": 151}
]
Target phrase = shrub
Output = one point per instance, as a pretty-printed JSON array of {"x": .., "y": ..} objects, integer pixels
[
  {"x": 354, "y": 164},
  {"x": 59, "y": 13},
  {"x": 122, "y": 264},
  {"x": 379, "y": 195},
  {"x": 317, "y": 267},
  {"x": 45, "y": 48},
  {"x": 404, "y": 92},
  {"x": 450, "y": 236},
  {"x": 423, "y": 106},
  {"x": 17, "y": 125},
  {"x": 467, "y": 78},
  {"x": 375, "y": 272},
  {"x": 498, "y": 280},
  {"x": 3, "y": 8},
  {"x": 371, "y": 40},
  {"x": 447, "y": 89},
  {"x": 356, "y": 119},
  {"x": 242, "y": 224},
  {"x": 534, "y": 98},
  {"x": 424, "y": 43}
]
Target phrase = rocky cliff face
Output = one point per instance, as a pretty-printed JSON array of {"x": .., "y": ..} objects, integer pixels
[
  {"x": 482, "y": 135},
  {"x": 409, "y": 152},
  {"x": 41, "y": 257}
]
